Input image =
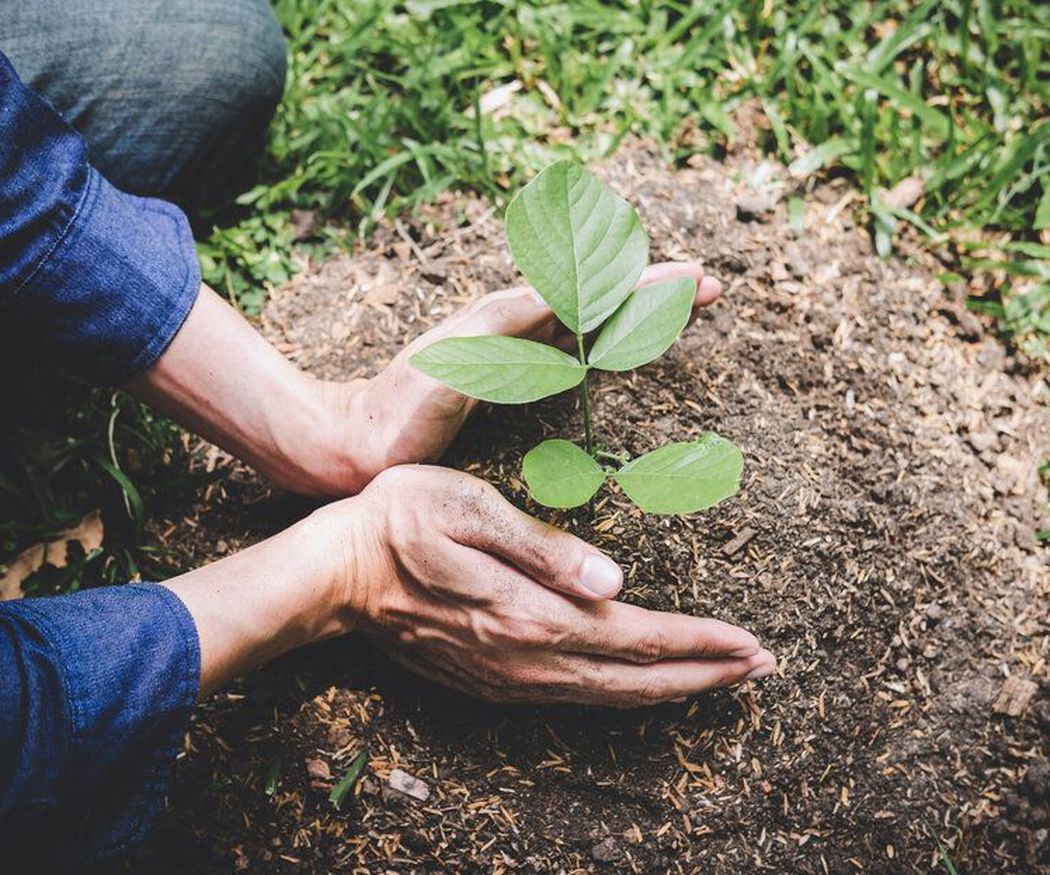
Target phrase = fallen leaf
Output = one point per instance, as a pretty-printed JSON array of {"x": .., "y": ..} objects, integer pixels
[
  {"x": 88, "y": 533},
  {"x": 495, "y": 99}
]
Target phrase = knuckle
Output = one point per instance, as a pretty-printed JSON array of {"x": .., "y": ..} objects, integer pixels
[
  {"x": 520, "y": 631},
  {"x": 650, "y": 646}
]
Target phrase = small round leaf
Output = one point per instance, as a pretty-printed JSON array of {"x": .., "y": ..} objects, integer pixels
[{"x": 560, "y": 474}]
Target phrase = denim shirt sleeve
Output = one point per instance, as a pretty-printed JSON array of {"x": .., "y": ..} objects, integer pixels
[
  {"x": 97, "y": 689},
  {"x": 101, "y": 279}
]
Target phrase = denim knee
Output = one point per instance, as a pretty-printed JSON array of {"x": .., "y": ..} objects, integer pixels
[{"x": 172, "y": 98}]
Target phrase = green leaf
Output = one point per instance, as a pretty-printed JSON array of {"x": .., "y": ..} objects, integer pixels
[
  {"x": 582, "y": 247},
  {"x": 346, "y": 783},
  {"x": 1042, "y": 212},
  {"x": 935, "y": 121},
  {"x": 645, "y": 326},
  {"x": 820, "y": 155},
  {"x": 560, "y": 474},
  {"x": 797, "y": 215},
  {"x": 506, "y": 370},
  {"x": 683, "y": 477},
  {"x": 273, "y": 777}
]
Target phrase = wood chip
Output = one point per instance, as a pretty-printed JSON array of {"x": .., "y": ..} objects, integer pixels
[
  {"x": 408, "y": 785},
  {"x": 1014, "y": 696},
  {"x": 738, "y": 542}
]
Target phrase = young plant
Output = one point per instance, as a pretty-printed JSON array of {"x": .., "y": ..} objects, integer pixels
[{"x": 583, "y": 249}]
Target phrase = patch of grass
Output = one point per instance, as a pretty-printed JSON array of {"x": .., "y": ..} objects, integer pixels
[
  {"x": 70, "y": 449},
  {"x": 379, "y": 113}
]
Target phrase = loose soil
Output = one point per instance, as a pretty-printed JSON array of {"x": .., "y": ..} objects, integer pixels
[{"x": 882, "y": 545}]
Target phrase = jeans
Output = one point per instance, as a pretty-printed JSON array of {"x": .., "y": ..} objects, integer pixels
[{"x": 172, "y": 96}]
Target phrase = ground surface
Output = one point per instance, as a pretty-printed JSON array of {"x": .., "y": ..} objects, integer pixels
[{"x": 887, "y": 513}]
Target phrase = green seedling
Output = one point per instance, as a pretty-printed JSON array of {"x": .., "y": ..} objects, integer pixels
[{"x": 583, "y": 249}]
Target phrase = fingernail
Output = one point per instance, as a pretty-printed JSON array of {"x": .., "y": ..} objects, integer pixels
[
  {"x": 537, "y": 298},
  {"x": 600, "y": 576}
]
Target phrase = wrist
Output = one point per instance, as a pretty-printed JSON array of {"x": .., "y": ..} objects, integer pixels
[
  {"x": 351, "y": 535},
  {"x": 318, "y": 446}
]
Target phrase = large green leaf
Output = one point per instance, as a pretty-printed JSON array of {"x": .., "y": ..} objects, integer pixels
[
  {"x": 560, "y": 474},
  {"x": 506, "y": 370},
  {"x": 683, "y": 477},
  {"x": 582, "y": 247},
  {"x": 645, "y": 326}
]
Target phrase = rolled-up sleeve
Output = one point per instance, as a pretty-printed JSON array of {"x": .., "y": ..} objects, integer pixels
[
  {"x": 96, "y": 695},
  {"x": 98, "y": 279}
]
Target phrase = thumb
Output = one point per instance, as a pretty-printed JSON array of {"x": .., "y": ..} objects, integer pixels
[{"x": 549, "y": 555}]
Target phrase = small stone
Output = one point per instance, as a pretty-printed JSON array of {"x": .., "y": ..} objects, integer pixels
[
  {"x": 905, "y": 193},
  {"x": 983, "y": 440},
  {"x": 797, "y": 262},
  {"x": 304, "y": 224},
  {"x": 318, "y": 769},
  {"x": 606, "y": 851},
  {"x": 408, "y": 785},
  {"x": 339, "y": 736},
  {"x": 754, "y": 207},
  {"x": 934, "y": 612},
  {"x": 435, "y": 273}
]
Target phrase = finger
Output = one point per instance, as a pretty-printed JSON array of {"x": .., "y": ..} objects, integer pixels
[
  {"x": 542, "y": 677},
  {"x": 516, "y": 312},
  {"x": 628, "y": 685},
  {"x": 707, "y": 287},
  {"x": 638, "y": 635},
  {"x": 547, "y": 554}
]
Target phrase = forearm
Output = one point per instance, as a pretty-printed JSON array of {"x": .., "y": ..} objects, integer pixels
[
  {"x": 277, "y": 595},
  {"x": 220, "y": 378}
]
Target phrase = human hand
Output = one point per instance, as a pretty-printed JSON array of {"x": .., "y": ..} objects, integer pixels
[
  {"x": 401, "y": 415},
  {"x": 463, "y": 588}
]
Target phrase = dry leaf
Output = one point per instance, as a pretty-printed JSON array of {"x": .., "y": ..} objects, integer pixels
[
  {"x": 495, "y": 99},
  {"x": 87, "y": 533}
]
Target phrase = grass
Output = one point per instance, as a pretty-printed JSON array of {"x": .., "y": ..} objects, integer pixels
[{"x": 380, "y": 116}]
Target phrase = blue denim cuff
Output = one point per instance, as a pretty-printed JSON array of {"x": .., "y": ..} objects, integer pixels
[
  {"x": 116, "y": 286},
  {"x": 111, "y": 677}
]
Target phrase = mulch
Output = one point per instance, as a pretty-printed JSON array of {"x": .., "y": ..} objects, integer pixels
[{"x": 882, "y": 545}]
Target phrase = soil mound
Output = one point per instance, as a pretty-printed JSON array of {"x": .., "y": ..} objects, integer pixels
[{"x": 882, "y": 545}]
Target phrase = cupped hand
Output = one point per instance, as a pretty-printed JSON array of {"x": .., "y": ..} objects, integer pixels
[
  {"x": 402, "y": 415},
  {"x": 465, "y": 589}
]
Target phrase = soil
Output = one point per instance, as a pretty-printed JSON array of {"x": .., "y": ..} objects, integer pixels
[{"x": 882, "y": 546}]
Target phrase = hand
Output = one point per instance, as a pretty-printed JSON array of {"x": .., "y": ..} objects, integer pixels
[
  {"x": 463, "y": 588},
  {"x": 402, "y": 415},
  {"x": 220, "y": 378}
]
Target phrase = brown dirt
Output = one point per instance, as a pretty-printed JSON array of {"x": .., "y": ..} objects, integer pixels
[{"x": 891, "y": 495}]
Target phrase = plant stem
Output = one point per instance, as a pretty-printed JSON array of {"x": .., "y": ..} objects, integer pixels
[{"x": 585, "y": 399}]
